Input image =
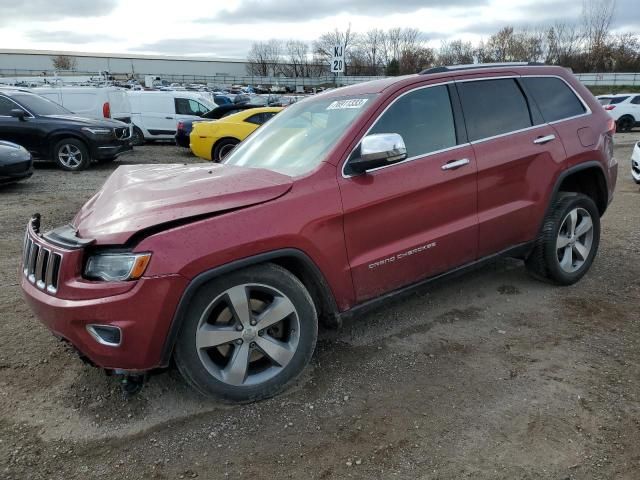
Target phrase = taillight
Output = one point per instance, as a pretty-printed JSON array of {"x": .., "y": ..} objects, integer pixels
[
  {"x": 609, "y": 107},
  {"x": 106, "y": 110},
  {"x": 180, "y": 126},
  {"x": 611, "y": 126}
]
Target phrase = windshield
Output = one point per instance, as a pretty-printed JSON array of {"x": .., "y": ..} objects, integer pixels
[
  {"x": 39, "y": 105},
  {"x": 296, "y": 140}
]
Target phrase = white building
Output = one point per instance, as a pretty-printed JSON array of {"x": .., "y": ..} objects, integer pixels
[{"x": 35, "y": 62}]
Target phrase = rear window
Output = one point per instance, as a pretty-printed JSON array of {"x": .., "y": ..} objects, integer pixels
[
  {"x": 554, "y": 98},
  {"x": 616, "y": 100},
  {"x": 493, "y": 107}
]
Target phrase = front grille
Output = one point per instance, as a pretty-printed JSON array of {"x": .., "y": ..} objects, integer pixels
[
  {"x": 122, "y": 133},
  {"x": 41, "y": 265}
]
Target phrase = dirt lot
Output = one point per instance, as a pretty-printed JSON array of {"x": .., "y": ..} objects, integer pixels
[{"x": 489, "y": 376}]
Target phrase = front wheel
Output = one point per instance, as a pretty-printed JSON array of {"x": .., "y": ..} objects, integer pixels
[
  {"x": 137, "y": 137},
  {"x": 568, "y": 242},
  {"x": 247, "y": 335},
  {"x": 71, "y": 154}
]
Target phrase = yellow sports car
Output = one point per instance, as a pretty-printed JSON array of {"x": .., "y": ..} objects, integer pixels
[{"x": 213, "y": 140}]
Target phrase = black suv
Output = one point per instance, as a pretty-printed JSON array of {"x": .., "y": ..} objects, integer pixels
[{"x": 49, "y": 131}]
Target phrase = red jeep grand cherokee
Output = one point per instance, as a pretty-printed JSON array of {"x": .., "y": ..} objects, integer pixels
[{"x": 339, "y": 201}]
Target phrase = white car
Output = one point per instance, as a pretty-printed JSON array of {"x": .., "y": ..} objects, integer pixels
[
  {"x": 92, "y": 102},
  {"x": 155, "y": 115},
  {"x": 635, "y": 163},
  {"x": 624, "y": 108}
]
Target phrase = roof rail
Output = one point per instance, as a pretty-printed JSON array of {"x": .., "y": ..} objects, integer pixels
[{"x": 471, "y": 66}]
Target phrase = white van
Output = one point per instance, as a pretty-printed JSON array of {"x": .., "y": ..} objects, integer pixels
[
  {"x": 93, "y": 102},
  {"x": 155, "y": 115}
]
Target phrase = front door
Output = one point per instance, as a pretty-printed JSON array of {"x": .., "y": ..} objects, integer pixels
[{"x": 416, "y": 218}]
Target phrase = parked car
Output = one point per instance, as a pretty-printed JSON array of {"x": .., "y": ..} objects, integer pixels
[
  {"x": 635, "y": 163},
  {"x": 338, "y": 203},
  {"x": 624, "y": 109},
  {"x": 15, "y": 162},
  {"x": 155, "y": 115},
  {"x": 224, "y": 110},
  {"x": 92, "y": 102},
  {"x": 214, "y": 140},
  {"x": 51, "y": 132}
]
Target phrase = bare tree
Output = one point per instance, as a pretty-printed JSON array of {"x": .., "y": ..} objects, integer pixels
[
  {"x": 323, "y": 46},
  {"x": 371, "y": 44},
  {"x": 596, "y": 21},
  {"x": 455, "y": 52},
  {"x": 297, "y": 59},
  {"x": 64, "y": 62},
  {"x": 264, "y": 58}
]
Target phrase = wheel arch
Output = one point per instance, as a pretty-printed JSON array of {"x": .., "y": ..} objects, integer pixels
[
  {"x": 295, "y": 261},
  {"x": 55, "y": 137},
  {"x": 587, "y": 178}
]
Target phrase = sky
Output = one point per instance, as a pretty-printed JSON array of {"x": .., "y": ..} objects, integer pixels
[{"x": 213, "y": 28}]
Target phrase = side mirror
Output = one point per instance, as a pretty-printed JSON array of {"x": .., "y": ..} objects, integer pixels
[
  {"x": 378, "y": 150},
  {"x": 18, "y": 113}
]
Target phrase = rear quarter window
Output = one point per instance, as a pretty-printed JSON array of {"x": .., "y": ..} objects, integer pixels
[
  {"x": 493, "y": 107},
  {"x": 554, "y": 98}
]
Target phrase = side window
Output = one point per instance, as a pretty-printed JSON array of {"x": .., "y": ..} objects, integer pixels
[
  {"x": 187, "y": 106},
  {"x": 636, "y": 100},
  {"x": 493, "y": 107},
  {"x": 554, "y": 98},
  {"x": 423, "y": 118},
  {"x": 197, "y": 108},
  {"x": 258, "y": 119},
  {"x": 6, "y": 106}
]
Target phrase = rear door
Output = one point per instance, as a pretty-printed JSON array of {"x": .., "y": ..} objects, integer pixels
[
  {"x": 189, "y": 109},
  {"x": 157, "y": 113},
  {"x": 518, "y": 158},
  {"x": 416, "y": 218}
]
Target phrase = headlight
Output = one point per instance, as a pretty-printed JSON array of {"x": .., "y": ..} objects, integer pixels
[
  {"x": 116, "y": 267},
  {"x": 98, "y": 131}
]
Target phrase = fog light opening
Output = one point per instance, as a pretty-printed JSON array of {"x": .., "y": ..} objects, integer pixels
[{"x": 106, "y": 334}]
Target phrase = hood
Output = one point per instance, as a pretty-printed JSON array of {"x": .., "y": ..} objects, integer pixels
[
  {"x": 88, "y": 122},
  {"x": 137, "y": 197}
]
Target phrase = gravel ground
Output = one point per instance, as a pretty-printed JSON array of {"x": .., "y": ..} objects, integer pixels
[{"x": 489, "y": 376}]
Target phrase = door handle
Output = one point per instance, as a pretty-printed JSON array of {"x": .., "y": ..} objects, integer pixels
[
  {"x": 545, "y": 139},
  {"x": 169, "y": 118},
  {"x": 455, "y": 164}
]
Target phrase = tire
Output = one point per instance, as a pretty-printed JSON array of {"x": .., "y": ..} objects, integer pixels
[
  {"x": 137, "y": 137},
  {"x": 223, "y": 148},
  {"x": 222, "y": 354},
  {"x": 562, "y": 253},
  {"x": 71, "y": 154},
  {"x": 625, "y": 123}
]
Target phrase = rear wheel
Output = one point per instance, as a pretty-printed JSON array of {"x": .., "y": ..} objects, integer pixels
[
  {"x": 568, "y": 242},
  {"x": 223, "y": 148},
  {"x": 71, "y": 154},
  {"x": 247, "y": 335},
  {"x": 625, "y": 123}
]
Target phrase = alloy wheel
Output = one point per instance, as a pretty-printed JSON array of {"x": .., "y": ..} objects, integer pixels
[
  {"x": 248, "y": 334},
  {"x": 70, "y": 156},
  {"x": 575, "y": 239},
  {"x": 225, "y": 150}
]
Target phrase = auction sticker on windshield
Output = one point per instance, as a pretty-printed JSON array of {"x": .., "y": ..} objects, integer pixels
[{"x": 352, "y": 103}]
